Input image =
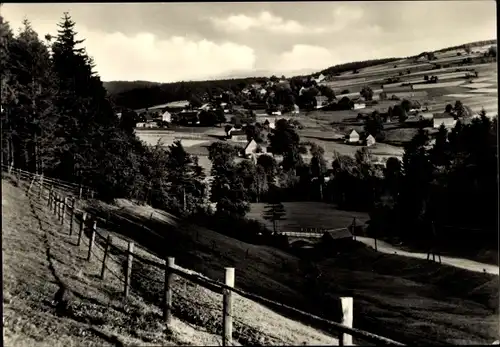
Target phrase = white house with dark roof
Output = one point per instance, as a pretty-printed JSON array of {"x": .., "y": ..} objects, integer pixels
[{"x": 445, "y": 118}]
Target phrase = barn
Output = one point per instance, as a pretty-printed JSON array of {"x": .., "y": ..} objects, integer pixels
[{"x": 335, "y": 241}]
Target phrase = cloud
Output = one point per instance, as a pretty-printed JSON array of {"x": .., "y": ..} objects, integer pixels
[
  {"x": 303, "y": 57},
  {"x": 344, "y": 16},
  {"x": 265, "y": 21},
  {"x": 145, "y": 57}
]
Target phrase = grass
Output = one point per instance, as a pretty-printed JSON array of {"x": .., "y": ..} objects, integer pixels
[
  {"x": 309, "y": 214},
  {"x": 39, "y": 258},
  {"x": 406, "y": 299},
  {"x": 97, "y": 305}
]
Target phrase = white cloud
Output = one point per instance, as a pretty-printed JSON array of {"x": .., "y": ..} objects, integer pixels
[
  {"x": 144, "y": 57},
  {"x": 265, "y": 21},
  {"x": 302, "y": 57}
]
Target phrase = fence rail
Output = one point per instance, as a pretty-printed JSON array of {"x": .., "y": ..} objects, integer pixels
[{"x": 64, "y": 208}]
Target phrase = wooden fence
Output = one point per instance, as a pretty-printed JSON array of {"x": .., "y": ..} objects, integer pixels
[{"x": 63, "y": 208}]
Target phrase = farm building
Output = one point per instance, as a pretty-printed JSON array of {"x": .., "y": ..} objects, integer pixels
[
  {"x": 296, "y": 109},
  {"x": 370, "y": 141},
  {"x": 352, "y": 137},
  {"x": 188, "y": 116},
  {"x": 250, "y": 148},
  {"x": 321, "y": 100},
  {"x": 146, "y": 125},
  {"x": 337, "y": 240},
  {"x": 320, "y": 78},
  {"x": 205, "y": 107},
  {"x": 166, "y": 117},
  {"x": 237, "y": 135},
  {"x": 358, "y": 106},
  {"x": 271, "y": 123},
  {"x": 444, "y": 118},
  {"x": 425, "y": 116}
]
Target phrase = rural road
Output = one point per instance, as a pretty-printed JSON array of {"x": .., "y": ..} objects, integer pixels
[{"x": 466, "y": 264}]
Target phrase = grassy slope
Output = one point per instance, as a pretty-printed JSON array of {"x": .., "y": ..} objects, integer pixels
[
  {"x": 39, "y": 257},
  {"x": 405, "y": 299},
  {"x": 98, "y": 304}
]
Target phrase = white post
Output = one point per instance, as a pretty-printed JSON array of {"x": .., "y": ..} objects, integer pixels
[{"x": 347, "y": 318}]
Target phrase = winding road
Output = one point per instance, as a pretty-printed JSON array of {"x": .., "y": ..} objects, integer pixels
[{"x": 466, "y": 264}]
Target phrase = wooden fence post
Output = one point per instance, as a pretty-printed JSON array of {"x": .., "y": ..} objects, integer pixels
[
  {"x": 104, "y": 258},
  {"x": 80, "y": 191},
  {"x": 60, "y": 205},
  {"x": 63, "y": 212},
  {"x": 50, "y": 196},
  {"x": 40, "y": 190},
  {"x": 227, "y": 309},
  {"x": 169, "y": 281},
  {"x": 91, "y": 240},
  {"x": 128, "y": 272},
  {"x": 347, "y": 317},
  {"x": 354, "y": 228},
  {"x": 71, "y": 216},
  {"x": 31, "y": 185},
  {"x": 82, "y": 226}
]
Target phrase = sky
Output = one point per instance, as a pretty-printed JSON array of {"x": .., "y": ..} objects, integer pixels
[{"x": 168, "y": 42}]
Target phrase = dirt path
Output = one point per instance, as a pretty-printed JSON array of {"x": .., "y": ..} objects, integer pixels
[{"x": 466, "y": 264}]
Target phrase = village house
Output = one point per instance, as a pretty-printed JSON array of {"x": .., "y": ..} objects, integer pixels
[
  {"x": 334, "y": 241},
  {"x": 352, "y": 137},
  {"x": 166, "y": 117},
  {"x": 321, "y": 101},
  {"x": 237, "y": 135},
  {"x": 146, "y": 125},
  {"x": 425, "y": 116},
  {"x": 359, "y": 105},
  {"x": 190, "y": 117},
  {"x": 320, "y": 78},
  {"x": 250, "y": 148},
  {"x": 370, "y": 141},
  {"x": 445, "y": 118}
]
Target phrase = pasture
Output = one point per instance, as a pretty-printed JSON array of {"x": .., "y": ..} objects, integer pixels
[{"x": 309, "y": 215}]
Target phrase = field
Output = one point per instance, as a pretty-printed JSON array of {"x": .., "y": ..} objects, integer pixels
[
  {"x": 386, "y": 288},
  {"x": 313, "y": 214}
]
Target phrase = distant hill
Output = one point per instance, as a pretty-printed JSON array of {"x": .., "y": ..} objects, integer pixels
[
  {"x": 117, "y": 87},
  {"x": 142, "y": 94}
]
